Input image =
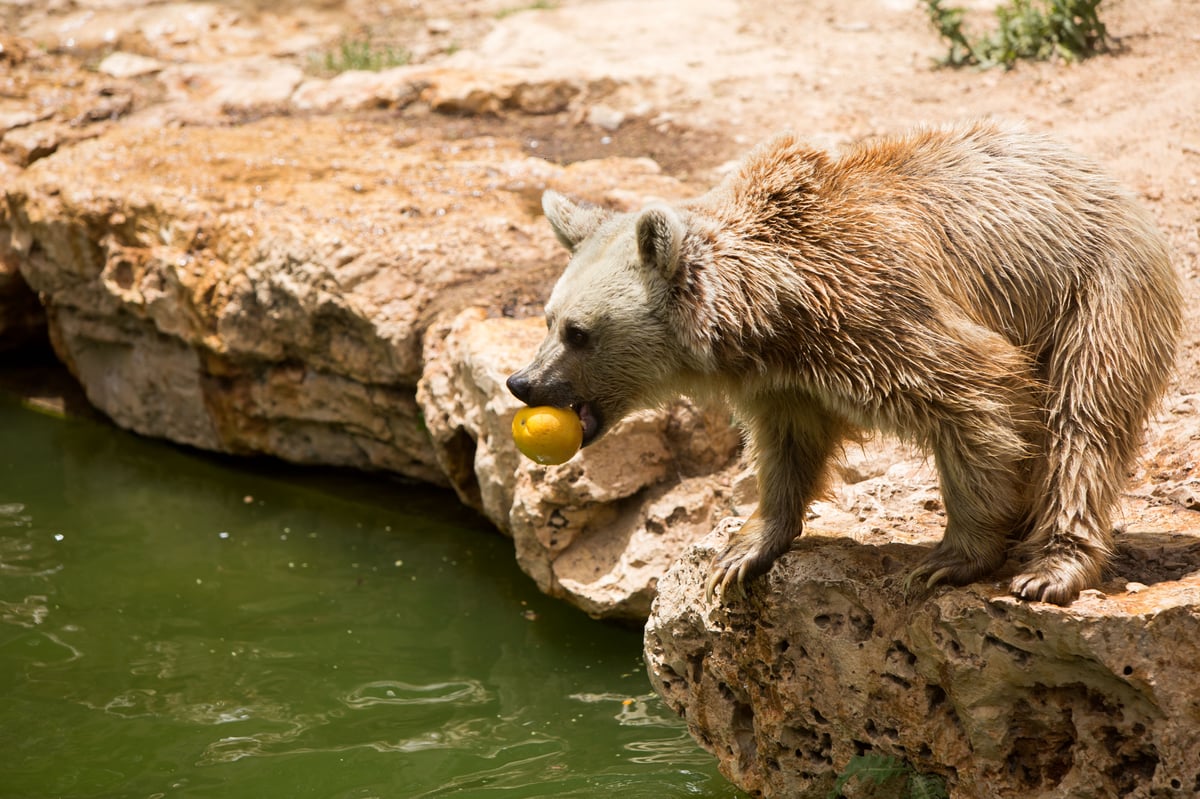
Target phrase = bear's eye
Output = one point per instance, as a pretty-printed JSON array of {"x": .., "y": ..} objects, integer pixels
[{"x": 575, "y": 336}]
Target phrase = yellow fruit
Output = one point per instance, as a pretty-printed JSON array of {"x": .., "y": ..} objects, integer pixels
[{"x": 547, "y": 435}]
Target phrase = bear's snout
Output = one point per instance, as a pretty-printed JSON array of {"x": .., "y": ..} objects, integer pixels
[
  {"x": 534, "y": 387},
  {"x": 520, "y": 386}
]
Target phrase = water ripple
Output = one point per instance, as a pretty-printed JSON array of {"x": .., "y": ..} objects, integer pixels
[
  {"x": 393, "y": 692},
  {"x": 29, "y": 612},
  {"x": 30, "y": 554},
  {"x": 478, "y": 736},
  {"x": 12, "y": 514},
  {"x": 646, "y": 710},
  {"x": 542, "y": 768},
  {"x": 677, "y": 750}
]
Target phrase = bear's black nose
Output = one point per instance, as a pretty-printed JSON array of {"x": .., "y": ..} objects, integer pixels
[{"x": 520, "y": 386}]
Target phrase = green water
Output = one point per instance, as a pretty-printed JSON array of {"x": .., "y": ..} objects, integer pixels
[{"x": 175, "y": 625}]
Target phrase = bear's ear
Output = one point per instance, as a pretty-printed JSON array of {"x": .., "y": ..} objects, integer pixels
[
  {"x": 660, "y": 234},
  {"x": 572, "y": 222}
]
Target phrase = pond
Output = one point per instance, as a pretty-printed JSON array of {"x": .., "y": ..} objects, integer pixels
[{"x": 178, "y": 625}]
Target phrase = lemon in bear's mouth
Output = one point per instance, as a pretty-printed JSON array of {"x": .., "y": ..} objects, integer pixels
[{"x": 547, "y": 435}]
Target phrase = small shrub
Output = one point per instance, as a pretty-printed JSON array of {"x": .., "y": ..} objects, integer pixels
[
  {"x": 884, "y": 770},
  {"x": 536, "y": 5},
  {"x": 1026, "y": 29},
  {"x": 361, "y": 54}
]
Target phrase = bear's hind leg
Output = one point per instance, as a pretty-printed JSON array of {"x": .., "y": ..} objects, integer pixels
[
  {"x": 1071, "y": 539},
  {"x": 792, "y": 446},
  {"x": 1109, "y": 367}
]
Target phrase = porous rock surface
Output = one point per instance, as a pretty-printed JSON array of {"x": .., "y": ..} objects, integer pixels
[
  {"x": 248, "y": 289},
  {"x": 827, "y": 658},
  {"x": 245, "y": 289},
  {"x": 235, "y": 251},
  {"x": 600, "y": 529}
]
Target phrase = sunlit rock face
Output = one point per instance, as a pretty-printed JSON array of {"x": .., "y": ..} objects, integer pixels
[
  {"x": 247, "y": 289},
  {"x": 236, "y": 252},
  {"x": 280, "y": 287},
  {"x": 827, "y": 658},
  {"x": 265, "y": 287},
  {"x": 601, "y": 529}
]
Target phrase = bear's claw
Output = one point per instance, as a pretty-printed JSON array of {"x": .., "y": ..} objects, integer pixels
[
  {"x": 722, "y": 577},
  {"x": 745, "y": 557},
  {"x": 924, "y": 578},
  {"x": 948, "y": 566}
]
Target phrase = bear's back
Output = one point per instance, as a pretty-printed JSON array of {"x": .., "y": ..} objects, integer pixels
[{"x": 1008, "y": 223}]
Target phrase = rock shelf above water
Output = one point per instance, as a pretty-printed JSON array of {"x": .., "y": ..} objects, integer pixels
[
  {"x": 234, "y": 253},
  {"x": 827, "y": 659}
]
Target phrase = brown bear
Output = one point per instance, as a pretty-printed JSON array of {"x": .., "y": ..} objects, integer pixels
[{"x": 975, "y": 289}]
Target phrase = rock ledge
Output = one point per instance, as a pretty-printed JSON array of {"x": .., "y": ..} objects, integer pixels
[{"x": 825, "y": 659}]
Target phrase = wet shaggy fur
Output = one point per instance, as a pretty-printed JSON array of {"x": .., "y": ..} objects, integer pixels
[{"x": 978, "y": 290}]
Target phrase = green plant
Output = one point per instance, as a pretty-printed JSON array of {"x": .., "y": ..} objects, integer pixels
[
  {"x": 1025, "y": 29},
  {"x": 362, "y": 54},
  {"x": 899, "y": 776},
  {"x": 536, "y": 5}
]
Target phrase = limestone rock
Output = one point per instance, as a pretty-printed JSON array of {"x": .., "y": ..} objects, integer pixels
[
  {"x": 602, "y": 528},
  {"x": 178, "y": 31},
  {"x": 358, "y": 90},
  {"x": 21, "y": 317},
  {"x": 29, "y": 143},
  {"x": 490, "y": 91},
  {"x": 467, "y": 409},
  {"x": 129, "y": 65},
  {"x": 51, "y": 100},
  {"x": 264, "y": 288},
  {"x": 15, "y": 114},
  {"x": 232, "y": 85},
  {"x": 826, "y": 658},
  {"x": 445, "y": 90},
  {"x": 605, "y": 118}
]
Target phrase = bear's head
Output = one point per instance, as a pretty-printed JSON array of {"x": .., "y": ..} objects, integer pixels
[{"x": 612, "y": 345}]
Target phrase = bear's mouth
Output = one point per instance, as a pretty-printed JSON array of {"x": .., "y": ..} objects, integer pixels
[{"x": 591, "y": 419}]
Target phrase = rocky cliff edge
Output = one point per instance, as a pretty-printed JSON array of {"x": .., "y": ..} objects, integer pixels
[{"x": 236, "y": 244}]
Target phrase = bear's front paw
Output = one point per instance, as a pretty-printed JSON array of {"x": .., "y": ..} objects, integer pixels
[{"x": 748, "y": 554}]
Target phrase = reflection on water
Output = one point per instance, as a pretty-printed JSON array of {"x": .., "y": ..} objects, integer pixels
[
  {"x": 391, "y": 692},
  {"x": 174, "y": 625}
]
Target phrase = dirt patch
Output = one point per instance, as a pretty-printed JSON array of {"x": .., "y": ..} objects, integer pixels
[{"x": 688, "y": 153}]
